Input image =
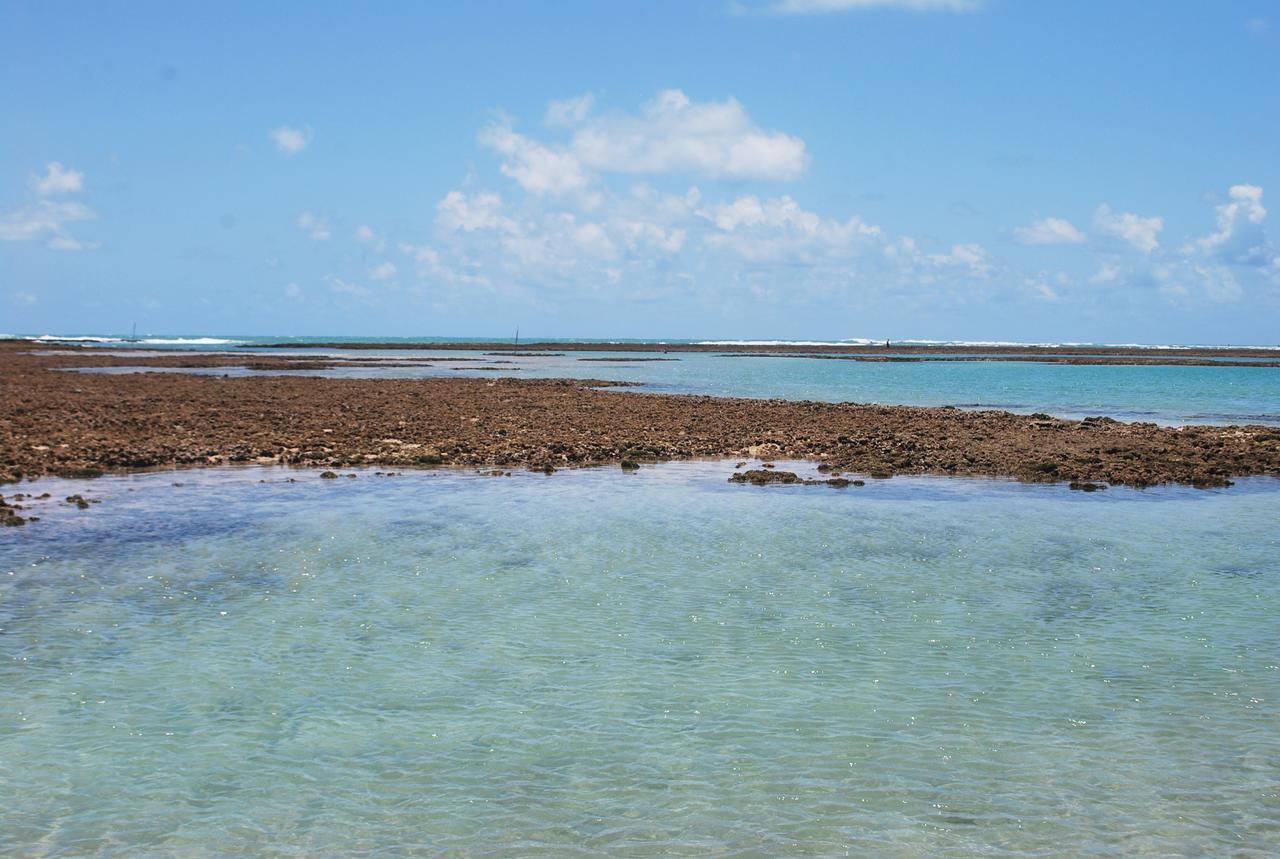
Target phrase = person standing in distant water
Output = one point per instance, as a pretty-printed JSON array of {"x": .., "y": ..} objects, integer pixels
[{"x": 886, "y": 344}]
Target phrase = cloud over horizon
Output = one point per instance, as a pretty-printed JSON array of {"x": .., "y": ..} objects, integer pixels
[
  {"x": 573, "y": 219},
  {"x": 46, "y": 220}
]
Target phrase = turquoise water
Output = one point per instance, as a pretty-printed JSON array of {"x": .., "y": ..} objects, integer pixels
[
  {"x": 594, "y": 662},
  {"x": 1163, "y": 394},
  {"x": 1222, "y": 394}
]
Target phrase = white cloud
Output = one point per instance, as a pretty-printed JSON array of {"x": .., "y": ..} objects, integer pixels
[
  {"x": 779, "y": 228},
  {"x": 1141, "y": 232},
  {"x": 289, "y": 140},
  {"x": 648, "y": 236},
  {"x": 658, "y": 244},
  {"x": 671, "y": 134},
  {"x": 810, "y": 7},
  {"x": 1240, "y": 238},
  {"x": 1049, "y": 231},
  {"x": 592, "y": 239},
  {"x": 1220, "y": 268},
  {"x": 71, "y": 243},
  {"x": 58, "y": 180},
  {"x": 293, "y": 292},
  {"x": 568, "y": 112},
  {"x": 1108, "y": 272},
  {"x": 568, "y": 230},
  {"x": 422, "y": 254},
  {"x": 481, "y": 211},
  {"x": 24, "y": 299},
  {"x": 1218, "y": 282},
  {"x": 675, "y": 134},
  {"x": 365, "y": 235},
  {"x": 428, "y": 265},
  {"x": 1041, "y": 289},
  {"x": 1178, "y": 282},
  {"x": 46, "y": 220},
  {"x": 971, "y": 256},
  {"x": 316, "y": 227},
  {"x": 538, "y": 168}
]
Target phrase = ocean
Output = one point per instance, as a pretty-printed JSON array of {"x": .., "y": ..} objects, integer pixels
[{"x": 254, "y": 660}]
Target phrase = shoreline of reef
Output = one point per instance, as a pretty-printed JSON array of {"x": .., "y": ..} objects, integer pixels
[{"x": 83, "y": 424}]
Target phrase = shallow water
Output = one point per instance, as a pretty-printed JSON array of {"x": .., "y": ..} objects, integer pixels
[
  {"x": 596, "y": 662},
  {"x": 1223, "y": 394}
]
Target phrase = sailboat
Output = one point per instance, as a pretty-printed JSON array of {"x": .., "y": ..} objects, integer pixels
[{"x": 133, "y": 338}]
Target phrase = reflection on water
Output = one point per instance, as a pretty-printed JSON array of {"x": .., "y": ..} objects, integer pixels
[{"x": 662, "y": 662}]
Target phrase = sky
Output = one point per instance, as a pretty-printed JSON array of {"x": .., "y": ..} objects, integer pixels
[{"x": 729, "y": 169}]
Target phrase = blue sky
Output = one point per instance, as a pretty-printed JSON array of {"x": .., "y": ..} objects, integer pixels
[{"x": 783, "y": 168}]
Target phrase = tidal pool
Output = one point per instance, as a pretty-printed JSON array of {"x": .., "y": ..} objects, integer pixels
[{"x": 598, "y": 662}]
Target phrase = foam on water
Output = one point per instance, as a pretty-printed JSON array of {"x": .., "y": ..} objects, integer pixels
[
  {"x": 90, "y": 339},
  {"x": 595, "y": 662}
]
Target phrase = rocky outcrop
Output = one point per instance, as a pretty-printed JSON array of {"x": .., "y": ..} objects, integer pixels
[{"x": 82, "y": 425}]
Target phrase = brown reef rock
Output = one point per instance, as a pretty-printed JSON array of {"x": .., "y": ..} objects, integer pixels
[{"x": 85, "y": 424}]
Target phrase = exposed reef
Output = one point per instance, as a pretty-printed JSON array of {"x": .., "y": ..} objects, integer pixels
[{"x": 85, "y": 424}]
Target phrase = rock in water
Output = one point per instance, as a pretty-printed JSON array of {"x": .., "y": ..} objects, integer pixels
[{"x": 761, "y": 477}]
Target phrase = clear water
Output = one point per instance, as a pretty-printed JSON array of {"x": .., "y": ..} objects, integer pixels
[
  {"x": 593, "y": 662},
  {"x": 1223, "y": 394}
]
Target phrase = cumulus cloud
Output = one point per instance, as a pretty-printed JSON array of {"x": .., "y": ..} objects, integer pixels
[
  {"x": 1141, "y": 232},
  {"x": 673, "y": 133},
  {"x": 384, "y": 271},
  {"x": 576, "y": 222},
  {"x": 536, "y": 167},
  {"x": 1108, "y": 272},
  {"x": 315, "y": 226},
  {"x": 658, "y": 243},
  {"x": 290, "y": 140},
  {"x": 1240, "y": 238},
  {"x": 1049, "y": 231},
  {"x": 70, "y": 243},
  {"x": 1233, "y": 261},
  {"x": 429, "y": 265},
  {"x": 46, "y": 221},
  {"x": 1042, "y": 289},
  {"x": 568, "y": 112},
  {"x": 58, "y": 180},
  {"x": 365, "y": 235},
  {"x": 973, "y": 256},
  {"x": 1218, "y": 282},
  {"x": 482, "y": 211},
  {"x": 780, "y": 228}
]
